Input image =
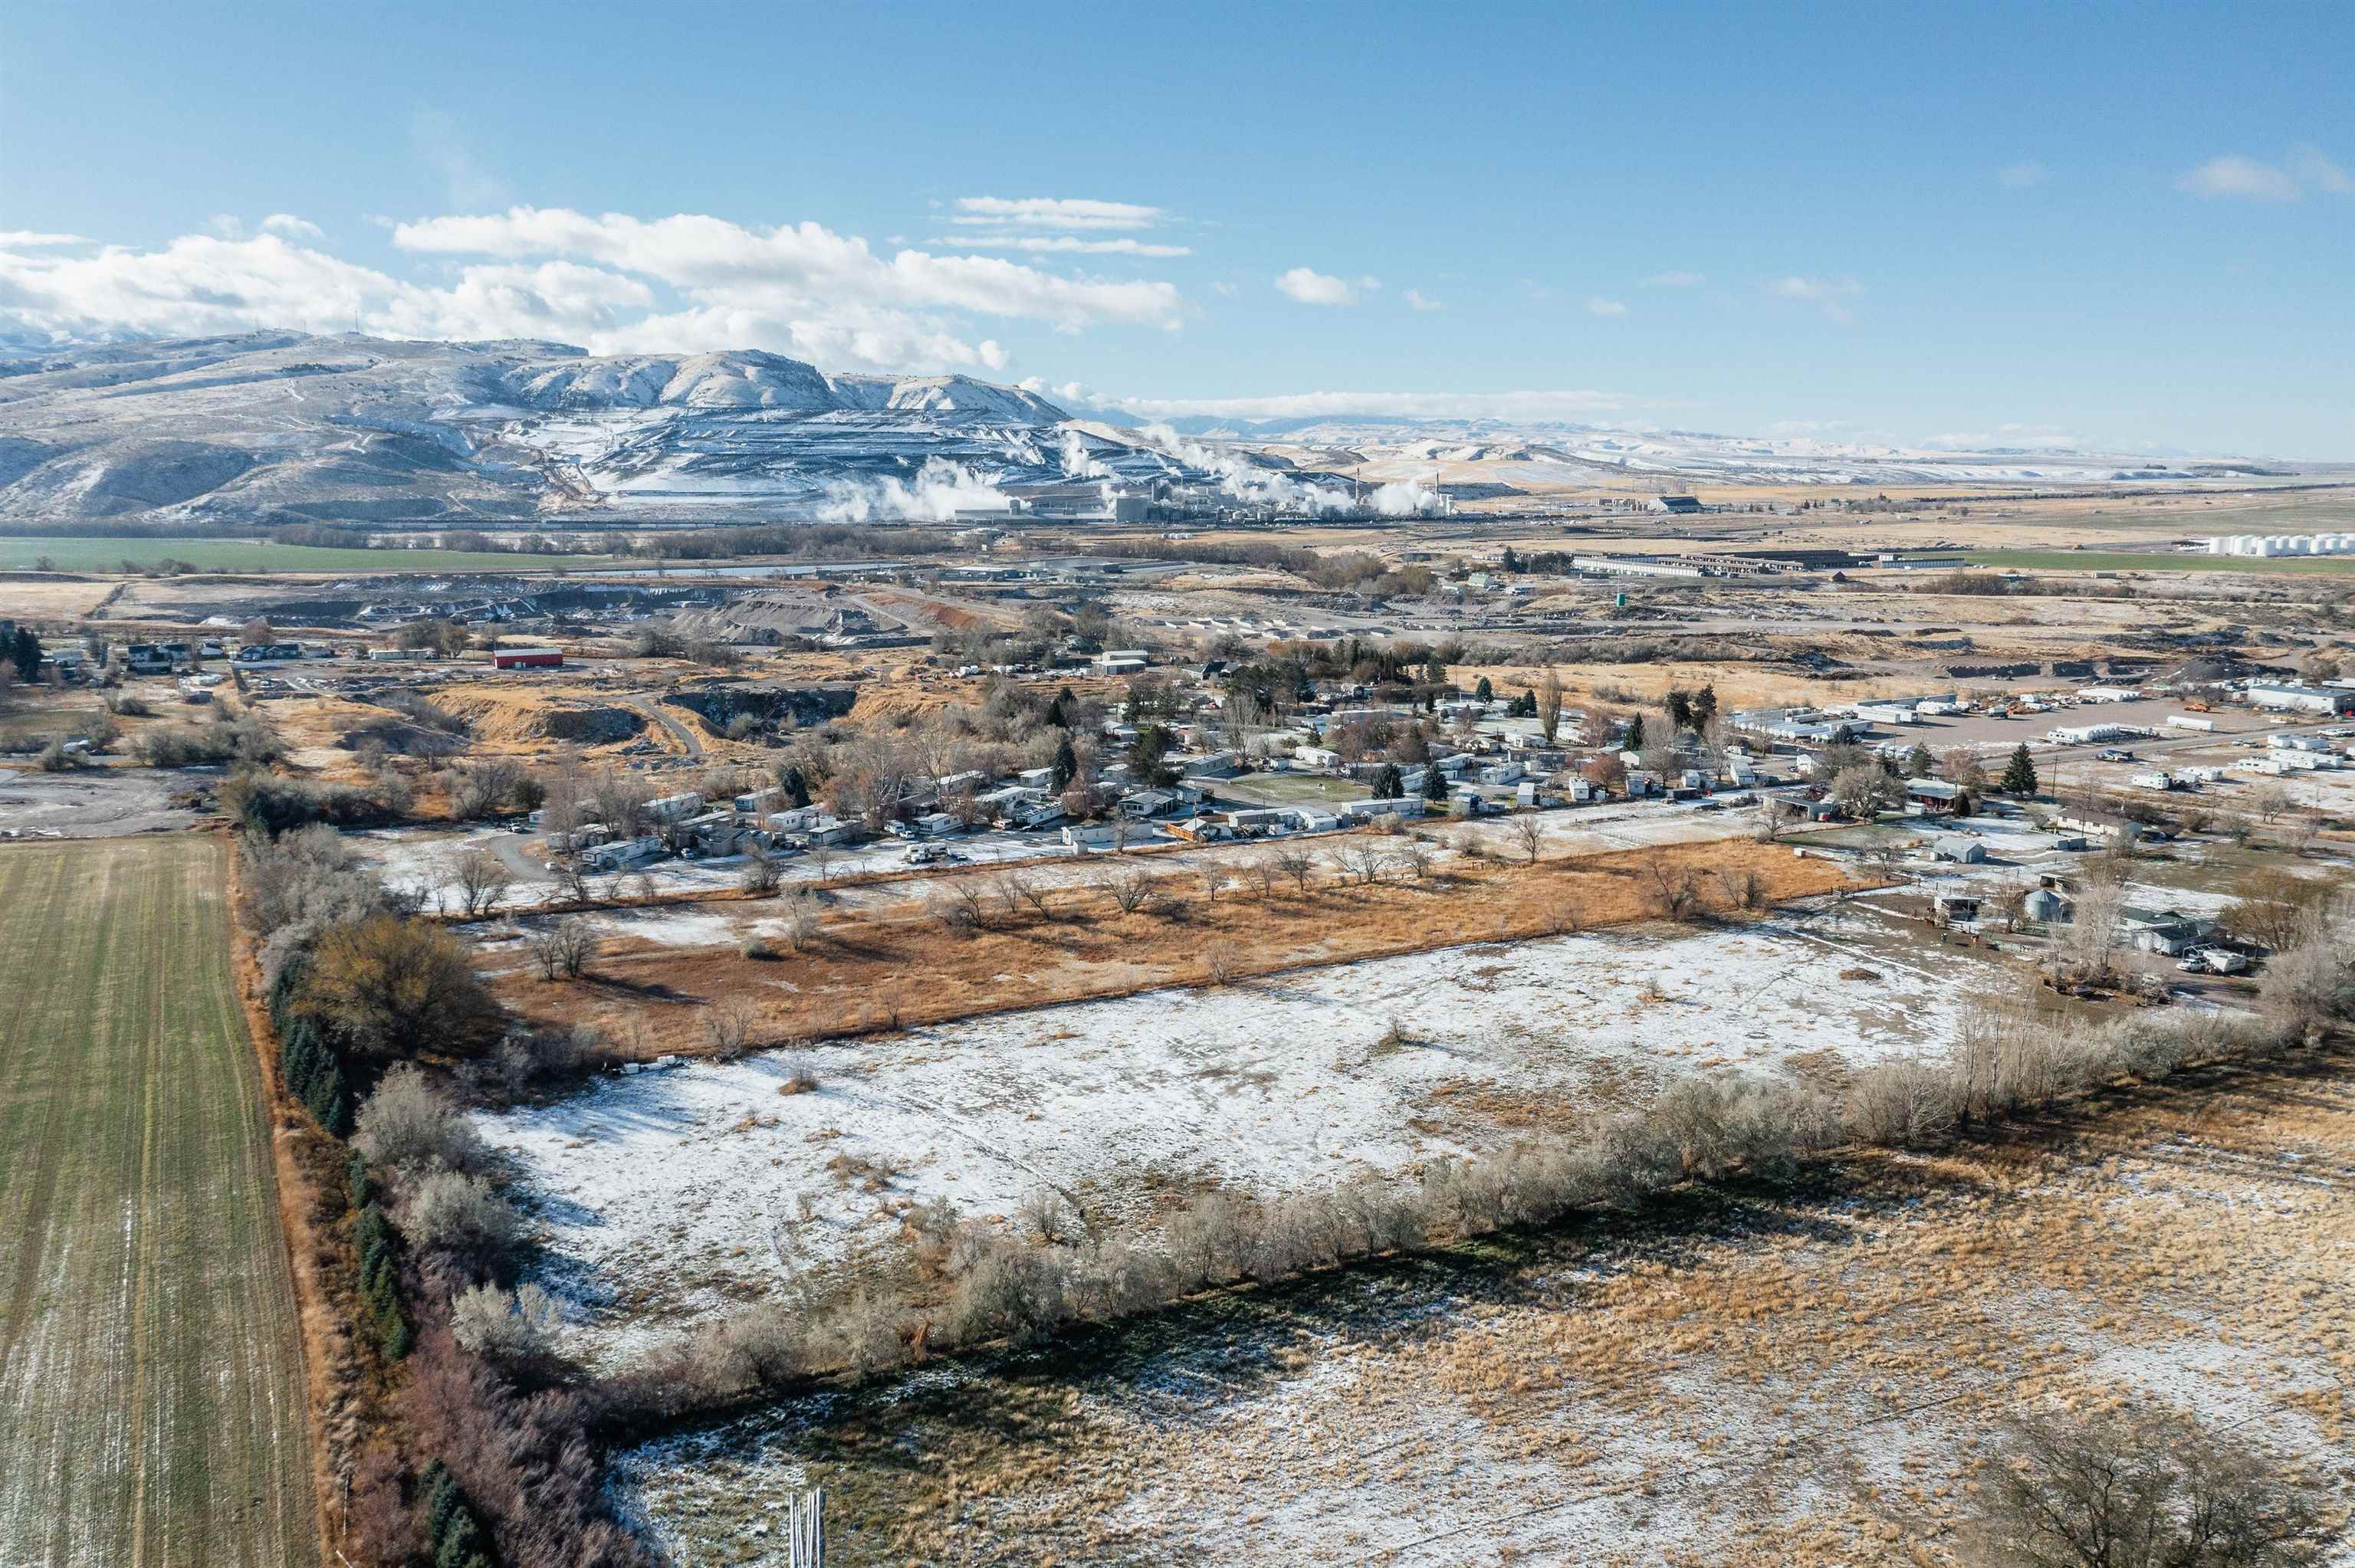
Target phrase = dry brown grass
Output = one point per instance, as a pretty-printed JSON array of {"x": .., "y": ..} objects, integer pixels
[
  {"x": 895, "y": 968},
  {"x": 309, "y": 1168},
  {"x": 1824, "y": 1382}
]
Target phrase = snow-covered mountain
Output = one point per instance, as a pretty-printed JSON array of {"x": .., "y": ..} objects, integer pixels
[
  {"x": 276, "y": 427},
  {"x": 1554, "y": 456},
  {"x": 284, "y": 427}
]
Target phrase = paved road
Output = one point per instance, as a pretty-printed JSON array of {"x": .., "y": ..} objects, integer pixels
[{"x": 679, "y": 732}]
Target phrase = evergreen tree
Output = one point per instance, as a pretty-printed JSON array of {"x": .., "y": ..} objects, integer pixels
[
  {"x": 326, "y": 1087},
  {"x": 1680, "y": 708},
  {"x": 300, "y": 1056},
  {"x": 1918, "y": 762},
  {"x": 795, "y": 786},
  {"x": 1066, "y": 766},
  {"x": 1635, "y": 734},
  {"x": 1435, "y": 784},
  {"x": 1390, "y": 784},
  {"x": 1484, "y": 692},
  {"x": 1146, "y": 765},
  {"x": 359, "y": 1187},
  {"x": 2020, "y": 773},
  {"x": 1704, "y": 706},
  {"x": 442, "y": 1502},
  {"x": 462, "y": 1539},
  {"x": 1059, "y": 712},
  {"x": 26, "y": 654},
  {"x": 287, "y": 990}
]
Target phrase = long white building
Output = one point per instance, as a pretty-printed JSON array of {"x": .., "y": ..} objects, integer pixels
[{"x": 2282, "y": 545}]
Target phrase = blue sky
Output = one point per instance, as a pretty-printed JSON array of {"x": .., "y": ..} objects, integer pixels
[{"x": 1982, "y": 224}]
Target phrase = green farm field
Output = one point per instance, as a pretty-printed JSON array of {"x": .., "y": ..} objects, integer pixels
[
  {"x": 76, "y": 554},
  {"x": 152, "y": 1399},
  {"x": 2157, "y": 561}
]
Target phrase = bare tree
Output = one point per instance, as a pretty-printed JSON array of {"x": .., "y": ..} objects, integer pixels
[
  {"x": 2269, "y": 802},
  {"x": 482, "y": 881},
  {"x": 1299, "y": 865},
  {"x": 572, "y": 877},
  {"x": 564, "y": 950},
  {"x": 1527, "y": 830},
  {"x": 2146, "y": 1491},
  {"x": 1416, "y": 855},
  {"x": 728, "y": 1025},
  {"x": 1224, "y": 961},
  {"x": 2085, "y": 947},
  {"x": 1016, "y": 893},
  {"x": 1676, "y": 893},
  {"x": 800, "y": 923},
  {"x": 821, "y": 858},
  {"x": 2298, "y": 835},
  {"x": 1744, "y": 889},
  {"x": 1262, "y": 873},
  {"x": 1550, "y": 705},
  {"x": 958, "y": 904},
  {"x": 1128, "y": 886},
  {"x": 1364, "y": 860},
  {"x": 1861, "y": 791},
  {"x": 760, "y": 876}
]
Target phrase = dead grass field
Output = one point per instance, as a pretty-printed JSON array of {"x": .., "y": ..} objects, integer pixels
[
  {"x": 1813, "y": 1378},
  {"x": 152, "y": 1399},
  {"x": 896, "y": 966}
]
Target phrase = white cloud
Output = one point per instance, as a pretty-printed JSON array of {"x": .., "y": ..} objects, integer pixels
[
  {"x": 1600, "y": 306},
  {"x": 286, "y": 226},
  {"x": 33, "y": 239},
  {"x": 2319, "y": 172},
  {"x": 2233, "y": 176},
  {"x": 1054, "y": 212},
  {"x": 2019, "y": 176},
  {"x": 1676, "y": 278},
  {"x": 1311, "y": 287},
  {"x": 1065, "y": 244},
  {"x": 1224, "y": 290},
  {"x": 1526, "y": 405},
  {"x": 798, "y": 267},
  {"x": 614, "y": 283},
  {"x": 1826, "y": 293},
  {"x": 1417, "y": 299}
]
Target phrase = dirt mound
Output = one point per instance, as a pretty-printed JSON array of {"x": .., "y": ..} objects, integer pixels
[{"x": 527, "y": 718}]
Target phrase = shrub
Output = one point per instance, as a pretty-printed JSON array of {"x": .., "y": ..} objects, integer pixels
[
  {"x": 485, "y": 789},
  {"x": 510, "y": 1327},
  {"x": 459, "y": 1212},
  {"x": 1905, "y": 1103},
  {"x": 407, "y": 1129},
  {"x": 394, "y": 988}
]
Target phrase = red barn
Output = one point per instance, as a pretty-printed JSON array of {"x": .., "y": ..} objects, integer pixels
[{"x": 527, "y": 659}]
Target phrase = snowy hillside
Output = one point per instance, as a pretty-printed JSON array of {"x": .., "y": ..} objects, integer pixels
[
  {"x": 281, "y": 427},
  {"x": 276, "y": 427}
]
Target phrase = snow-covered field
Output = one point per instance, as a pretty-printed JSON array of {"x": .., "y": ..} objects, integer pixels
[
  {"x": 664, "y": 1192},
  {"x": 1816, "y": 1383}
]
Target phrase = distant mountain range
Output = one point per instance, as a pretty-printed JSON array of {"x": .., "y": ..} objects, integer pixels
[{"x": 270, "y": 429}]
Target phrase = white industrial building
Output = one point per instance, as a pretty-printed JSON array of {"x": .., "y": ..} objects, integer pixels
[
  {"x": 2300, "y": 699},
  {"x": 2282, "y": 545}
]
